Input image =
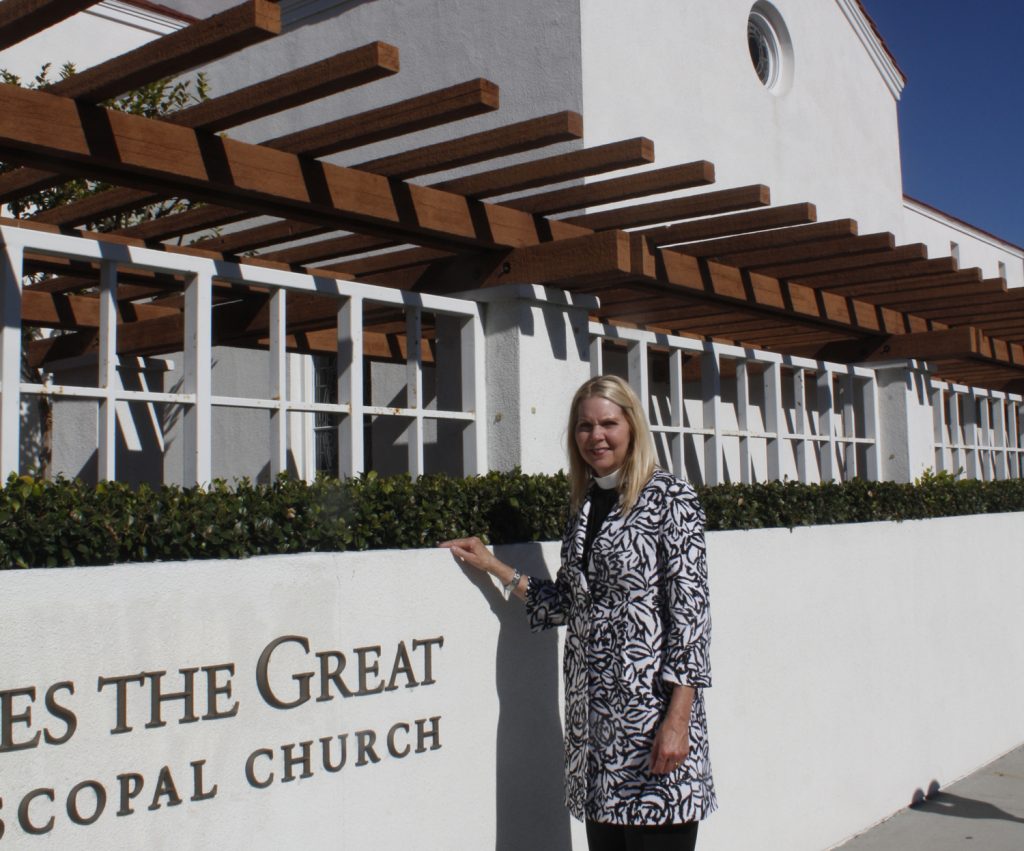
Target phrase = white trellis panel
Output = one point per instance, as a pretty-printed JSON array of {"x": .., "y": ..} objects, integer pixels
[
  {"x": 756, "y": 449},
  {"x": 197, "y": 400}
]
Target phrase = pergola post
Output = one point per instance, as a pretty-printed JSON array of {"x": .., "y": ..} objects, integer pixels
[
  {"x": 537, "y": 355},
  {"x": 198, "y": 361},
  {"x": 350, "y": 386},
  {"x": 10, "y": 358},
  {"x": 414, "y": 389},
  {"x": 106, "y": 467},
  {"x": 711, "y": 392},
  {"x": 474, "y": 395},
  {"x": 278, "y": 383},
  {"x": 906, "y": 430}
]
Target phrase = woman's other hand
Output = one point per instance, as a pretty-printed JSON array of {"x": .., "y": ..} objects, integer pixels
[{"x": 672, "y": 740}]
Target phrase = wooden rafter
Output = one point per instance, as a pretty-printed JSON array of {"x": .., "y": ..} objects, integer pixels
[
  {"x": 729, "y": 225},
  {"x": 528, "y": 135},
  {"x": 301, "y": 85},
  {"x": 638, "y": 185},
  {"x": 342, "y": 246},
  {"x": 220, "y": 35},
  {"x": 557, "y": 169},
  {"x": 463, "y": 100},
  {"x": 478, "y": 147},
  {"x": 846, "y": 262},
  {"x": 880, "y": 273},
  {"x": 47, "y": 130},
  {"x": 450, "y": 104},
  {"x": 754, "y": 239},
  {"x": 688, "y": 207},
  {"x": 808, "y": 251}
]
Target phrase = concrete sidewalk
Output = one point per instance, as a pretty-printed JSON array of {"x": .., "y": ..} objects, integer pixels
[{"x": 984, "y": 811}]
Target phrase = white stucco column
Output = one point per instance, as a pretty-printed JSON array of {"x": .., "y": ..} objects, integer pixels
[
  {"x": 905, "y": 418},
  {"x": 537, "y": 355}
]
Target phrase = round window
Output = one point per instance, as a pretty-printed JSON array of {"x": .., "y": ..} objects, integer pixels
[
  {"x": 771, "y": 51},
  {"x": 764, "y": 49}
]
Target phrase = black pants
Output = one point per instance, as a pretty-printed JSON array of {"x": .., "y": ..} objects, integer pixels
[{"x": 617, "y": 837}]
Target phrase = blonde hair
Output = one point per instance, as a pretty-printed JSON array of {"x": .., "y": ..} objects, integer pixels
[{"x": 640, "y": 458}]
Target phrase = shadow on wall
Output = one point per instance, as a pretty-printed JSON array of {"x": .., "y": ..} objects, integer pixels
[{"x": 529, "y": 787}]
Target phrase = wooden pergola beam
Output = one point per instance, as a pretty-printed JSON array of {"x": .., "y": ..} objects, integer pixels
[
  {"x": 962, "y": 342},
  {"x": 691, "y": 206},
  {"x": 963, "y": 283},
  {"x": 443, "y": 106},
  {"x": 327, "y": 249},
  {"x": 52, "y": 310},
  {"x": 638, "y": 185},
  {"x": 179, "y": 224},
  {"x": 807, "y": 251},
  {"x": 594, "y": 259},
  {"x": 199, "y": 44},
  {"x": 702, "y": 246},
  {"x": 49, "y": 131},
  {"x": 434, "y": 108},
  {"x": 388, "y": 261},
  {"x": 990, "y": 292},
  {"x": 302, "y": 85},
  {"x": 674, "y": 269},
  {"x": 729, "y": 225},
  {"x": 326, "y": 77},
  {"x": 20, "y": 19},
  {"x": 479, "y": 147},
  {"x": 792, "y": 337},
  {"x": 569, "y": 263},
  {"x": 555, "y": 169},
  {"x": 1010, "y": 326},
  {"x": 194, "y": 46},
  {"x": 261, "y": 236},
  {"x": 638, "y": 300},
  {"x": 882, "y": 273},
  {"x": 846, "y": 262},
  {"x": 450, "y": 104},
  {"x": 325, "y": 341}
]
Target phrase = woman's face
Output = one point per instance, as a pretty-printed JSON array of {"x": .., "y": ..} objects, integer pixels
[{"x": 602, "y": 434}]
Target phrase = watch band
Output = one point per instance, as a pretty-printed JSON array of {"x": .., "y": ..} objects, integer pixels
[{"x": 507, "y": 590}]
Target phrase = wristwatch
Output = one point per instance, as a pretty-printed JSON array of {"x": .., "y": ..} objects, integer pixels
[{"x": 508, "y": 589}]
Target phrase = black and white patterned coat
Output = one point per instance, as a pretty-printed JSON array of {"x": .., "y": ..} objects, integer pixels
[{"x": 640, "y": 626}]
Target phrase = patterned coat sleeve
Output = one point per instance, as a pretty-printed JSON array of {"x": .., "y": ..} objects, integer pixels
[
  {"x": 547, "y": 602},
  {"x": 685, "y": 574}
]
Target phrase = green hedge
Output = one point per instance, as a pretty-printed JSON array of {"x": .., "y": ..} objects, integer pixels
[{"x": 65, "y": 522}]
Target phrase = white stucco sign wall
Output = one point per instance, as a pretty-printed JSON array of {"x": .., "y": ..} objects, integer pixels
[
  {"x": 388, "y": 700},
  {"x": 315, "y": 702}
]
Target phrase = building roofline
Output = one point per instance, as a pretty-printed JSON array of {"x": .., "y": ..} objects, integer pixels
[
  {"x": 874, "y": 43},
  {"x": 881, "y": 38},
  {"x": 160, "y": 9},
  {"x": 955, "y": 219}
]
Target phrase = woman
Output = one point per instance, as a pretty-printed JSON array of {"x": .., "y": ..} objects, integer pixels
[{"x": 632, "y": 590}]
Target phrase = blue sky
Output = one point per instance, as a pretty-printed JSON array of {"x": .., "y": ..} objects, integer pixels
[{"x": 962, "y": 111}]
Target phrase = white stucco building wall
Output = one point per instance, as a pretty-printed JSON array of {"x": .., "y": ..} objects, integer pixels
[
  {"x": 945, "y": 236},
  {"x": 680, "y": 72}
]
